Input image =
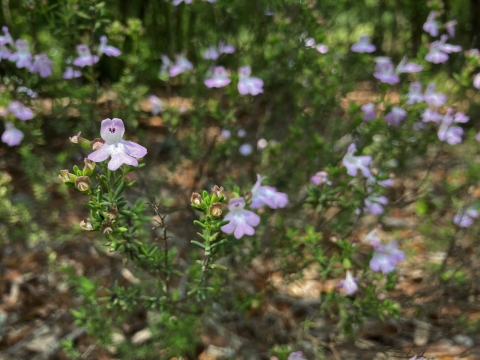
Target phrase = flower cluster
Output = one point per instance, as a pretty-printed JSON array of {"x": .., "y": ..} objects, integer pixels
[
  {"x": 213, "y": 52},
  {"x": 246, "y": 84}
]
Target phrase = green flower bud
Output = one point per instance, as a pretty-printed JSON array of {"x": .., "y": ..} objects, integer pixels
[
  {"x": 77, "y": 139},
  {"x": 89, "y": 167},
  {"x": 66, "y": 177},
  {"x": 83, "y": 183}
]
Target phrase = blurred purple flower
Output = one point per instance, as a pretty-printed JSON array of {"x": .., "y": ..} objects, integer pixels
[
  {"x": 368, "y": 111},
  {"x": 373, "y": 204},
  {"x": 386, "y": 257},
  {"x": 42, "y": 65},
  {"x": 267, "y": 195},
  {"x": 225, "y": 134},
  {"x": 247, "y": 84},
  {"x": 465, "y": 218},
  {"x": 225, "y": 48},
  {"x": 241, "y": 133},
  {"x": 180, "y": 66},
  {"x": 372, "y": 238},
  {"x": 11, "y": 136},
  {"x": 433, "y": 98},
  {"x": 4, "y": 52},
  {"x": 107, "y": 49},
  {"x": 166, "y": 63},
  {"x": 219, "y": 78},
  {"x": 363, "y": 45},
  {"x": 70, "y": 73},
  {"x": 476, "y": 81},
  {"x": 431, "y": 25},
  {"x": 241, "y": 221},
  {"x": 120, "y": 151},
  {"x": 355, "y": 163},
  {"x": 431, "y": 115},
  {"x": 450, "y": 134},
  {"x": 384, "y": 71},
  {"x": 20, "y": 111},
  {"x": 450, "y": 26},
  {"x": 320, "y": 178},
  {"x": 6, "y": 38},
  {"x": 439, "y": 50},
  {"x": 396, "y": 116},
  {"x": 85, "y": 58},
  {"x": 349, "y": 284},
  {"x": 404, "y": 67},
  {"x": 262, "y": 144},
  {"x": 211, "y": 53},
  {"x": 22, "y": 57},
  {"x": 310, "y": 42},
  {"x": 156, "y": 105},
  {"x": 415, "y": 93},
  {"x": 178, "y": 2},
  {"x": 245, "y": 149},
  {"x": 322, "y": 48},
  {"x": 29, "y": 92},
  {"x": 298, "y": 355}
]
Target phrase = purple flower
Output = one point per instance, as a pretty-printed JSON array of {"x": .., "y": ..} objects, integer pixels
[
  {"x": 166, "y": 63},
  {"x": 349, "y": 284},
  {"x": 85, "y": 58},
  {"x": 384, "y": 71},
  {"x": 107, "y": 49},
  {"x": 465, "y": 218},
  {"x": 431, "y": 26},
  {"x": 4, "y": 52},
  {"x": 211, "y": 53},
  {"x": 439, "y": 50},
  {"x": 241, "y": 133},
  {"x": 396, "y": 116},
  {"x": 320, "y": 178},
  {"x": 373, "y": 204},
  {"x": 6, "y": 38},
  {"x": 247, "y": 84},
  {"x": 22, "y": 57},
  {"x": 450, "y": 26},
  {"x": 225, "y": 134},
  {"x": 156, "y": 104},
  {"x": 477, "y": 137},
  {"x": 180, "y": 66},
  {"x": 267, "y": 195},
  {"x": 262, "y": 144},
  {"x": 219, "y": 78},
  {"x": 431, "y": 115},
  {"x": 363, "y": 45},
  {"x": 433, "y": 98},
  {"x": 245, "y": 149},
  {"x": 11, "y": 136},
  {"x": 70, "y": 73},
  {"x": 42, "y": 65},
  {"x": 178, "y": 2},
  {"x": 450, "y": 134},
  {"x": 355, "y": 163},
  {"x": 372, "y": 238},
  {"x": 29, "y": 92},
  {"x": 368, "y": 111},
  {"x": 298, "y": 355},
  {"x": 20, "y": 111},
  {"x": 310, "y": 42},
  {"x": 385, "y": 258},
  {"x": 414, "y": 93},
  {"x": 225, "y": 48},
  {"x": 322, "y": 48},
  {"x": 241, "y": 221},
  {"x": 476, "y": 81},
  {"x": 120, "y": 151},
  {"x": 404, "y": 67}
]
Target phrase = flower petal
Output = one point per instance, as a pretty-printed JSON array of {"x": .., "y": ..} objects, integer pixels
[
  {"x": 101, "y": 154},
  {"x": 134, "y": 149}
]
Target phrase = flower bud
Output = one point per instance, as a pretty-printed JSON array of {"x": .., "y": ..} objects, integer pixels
[
  {"x": 96, "y": 144},
  {"x": 196, "y": 199},
  {"x": 86, "y": 225},
  {"x": 112, "y": 213},
  {"x": 66, "y": 177},
  {"x": 107, "y": 227},
  {"x": 83, "y": 183},
  {"x": 89, "y": 167},
  {"x": 216, "y": 209},
  {"x": 218, "y": 191},
  {"x": 77, "y": 139}
]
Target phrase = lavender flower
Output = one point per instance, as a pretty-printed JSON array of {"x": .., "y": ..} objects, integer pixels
[
  {"x": 465, "y": 218},
  {"x": 368, "y": 111},
  {"x": 178, "y": 2},
  {"x": 180, "y": 66},
  {"x": 156, "y": 104},
  {"x": 431, "y": 115},
  {"x": 372, "y": 238},
  {"x": 85, "y": 58},
  {"x": 355, "y": 163},
  {"x": 70, "y": 73},
  {"x": 396, "y": 116},
  {"x": 320, "y": 178},
  {"x": 414, "y": 93},
  {"x": 247, "y": 84},
  {"x": 404, "y": 67},
  {"x": 245, "y": 149},
  {"x": 267, "y": 195},
  {"x": 225, "y": 48},
  {"x": 120, "y": 151},
  {"x": 349, "y": 284},
  {"x": 450, "y": 26},
  {"x": 476, "y": 81},
  {"x": 6, "y": 38},
  {"x": 431, "y": 25},
  {"x": 107, "y": 49},
  {"x": 241, "y": 221},
  {"x": 384, "y": 71},
  {"x": 363, "y": 45},
  {"x": 4, "y": 52},
  {"x": 166, "y": 63},
  {"x": 386, "y": 257},
  {"x": 322, "y": 48},
  {"x": 310, "y": 42},
  {"x": 298, "y": 355},
  {"x": 450, "y": 134},
  {"x": 219, "y": 79},
  {"x": 241, "y": 133},
  {"x": 22, "y": 57},
  {"x": 225, "y": 134},
  {"x": 11, "y": 136},
  {"x": 433, "y": 98},
  {"x": 29, "y": 92},
  {"x": 439, "y": 50},
  {"x": 373, "y": 204},
  {"x": 42, "y": 65},
  {"x": 20, "y": 111},
  {"x": 211, "y": 53}
]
